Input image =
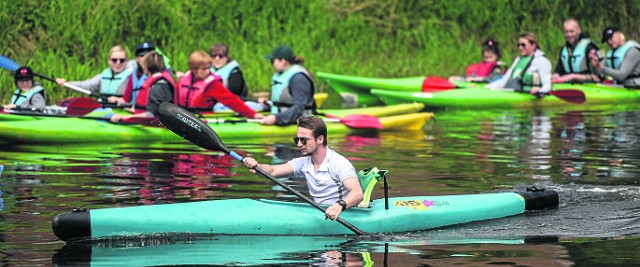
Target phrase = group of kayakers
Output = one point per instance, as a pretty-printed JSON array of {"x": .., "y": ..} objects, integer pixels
[
  {"x": 214, "y": 82},
  {"x": 579, "y": 62}
]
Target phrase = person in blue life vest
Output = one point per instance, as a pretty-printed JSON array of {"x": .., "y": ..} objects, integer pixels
[
  {"x": 109, "y": 84},
  {"x": 574, "y": 65},
  {"x": 292, "y": 88},
  {"x": 232, "y": 78},
  {"x": 331, "y": 178},
  {"x": 29, "y": 95},
  {"x": 489, "y": 69},
  {"x": 622, "y": 60},
  {"x": 530, "y": 72},
  {"x": 157, "y": 89}
]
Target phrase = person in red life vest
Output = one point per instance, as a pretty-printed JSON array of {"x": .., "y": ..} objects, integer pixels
[
  {"x": 136, "y": 77},
  {"x": 489, "y": 69},
  {"x": 157, "y": 89},
  {"x": 199, "y": 89}
]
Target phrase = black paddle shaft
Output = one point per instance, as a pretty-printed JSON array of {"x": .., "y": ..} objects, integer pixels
[{"x": 188, "y": 126}]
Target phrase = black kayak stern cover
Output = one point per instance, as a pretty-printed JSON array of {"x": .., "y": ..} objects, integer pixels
[{"x": 75, "y": 224}]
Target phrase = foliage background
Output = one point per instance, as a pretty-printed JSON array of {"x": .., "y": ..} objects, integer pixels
[{"x": 377, "y": 38}]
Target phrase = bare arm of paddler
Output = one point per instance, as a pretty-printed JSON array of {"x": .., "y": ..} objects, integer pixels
[
  {"x": 275, "y": 170},
  {"x": 352, "y": 199}
]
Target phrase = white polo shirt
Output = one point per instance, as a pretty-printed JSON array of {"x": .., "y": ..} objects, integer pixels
[{"x": 326, "y": 186}]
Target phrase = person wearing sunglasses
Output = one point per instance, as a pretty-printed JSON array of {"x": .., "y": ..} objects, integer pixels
[
  {"x": 530, "y": 72},
  {"x": 331, "y": 178},
  {"x": 489, "y": 69},
  {"x": 29, "y": 95},
  {"x": 292, "y": 88},
  {"x": 573, "y": 64},
  {"x": 622, "y": 61},
  {"x": 232, "y": 78},
  {"x": 109, "y": 84},
  {"x": 199, "y": 89},
  {"x": 157, "y": 89}
]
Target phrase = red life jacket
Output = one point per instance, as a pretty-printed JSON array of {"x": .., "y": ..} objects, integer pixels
[
  {"x": 482, "y": 69},
  {"x": 143, "y": 96},
  {"x": 191, "y": 93}
]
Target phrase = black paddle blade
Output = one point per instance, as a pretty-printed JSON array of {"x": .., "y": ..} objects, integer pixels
[{"x": 185, "y": 124}]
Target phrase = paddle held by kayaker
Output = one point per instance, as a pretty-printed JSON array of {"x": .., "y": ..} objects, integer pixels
[
  {"x": 199, "y": 89},
  {"x": 331, "y": 178},
  {"x": 530, "y": 72},
  {"x": 622, "y": 61},
  {"x": 292, "y": 88},
  {"x": 110, "y": 83},
  {"x": 157, "y": 89},
  {"x": 29, "y": 94},
  {"x": 573, "y": 64}
]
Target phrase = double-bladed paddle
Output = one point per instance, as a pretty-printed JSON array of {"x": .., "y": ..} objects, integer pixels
[
  {"x": 354, "y": 121},
  {"x": 189, "y": 127},
  {"x": 434, "y": 84},
  {"x": 11, "y": 65}
]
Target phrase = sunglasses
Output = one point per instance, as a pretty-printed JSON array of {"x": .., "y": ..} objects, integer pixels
[
  {"x": 522, "y": 45},
  {"x": 218, "y": 56},
  {"x": 301, "y": 139},
  {"x": 116, "y": 60}
]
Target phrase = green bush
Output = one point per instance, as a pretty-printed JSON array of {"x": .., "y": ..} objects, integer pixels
[{"x": 391, "y": 38}]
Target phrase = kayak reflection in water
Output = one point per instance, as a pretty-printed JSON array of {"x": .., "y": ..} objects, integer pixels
[{"x": 331, "y": 178}]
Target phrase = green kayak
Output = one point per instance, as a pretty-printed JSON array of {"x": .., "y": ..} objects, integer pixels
[
  {"x": 479, "y": 97},
  {"x": 256, "y": 217},
  {"x": 355, "y": 91},
  {"x": 44, "y": 130}
]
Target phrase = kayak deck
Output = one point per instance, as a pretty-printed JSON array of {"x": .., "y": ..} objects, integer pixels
[{"x": 258, "y": 217}]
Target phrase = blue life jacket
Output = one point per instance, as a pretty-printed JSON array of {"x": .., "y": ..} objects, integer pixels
[
  {"x": 110, "y": 81},
  {"x": 572, "y": 61},
  {"x": 281, "y": 93}
]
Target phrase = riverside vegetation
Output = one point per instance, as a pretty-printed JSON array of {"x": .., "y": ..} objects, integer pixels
[{"x": 375, "y": 38}]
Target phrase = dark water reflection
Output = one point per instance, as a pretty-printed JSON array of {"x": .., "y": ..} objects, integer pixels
[{"x": 590, "y": 157}]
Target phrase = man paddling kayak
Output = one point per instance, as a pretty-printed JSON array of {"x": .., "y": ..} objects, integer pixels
[{"x": 331, "y": 178}]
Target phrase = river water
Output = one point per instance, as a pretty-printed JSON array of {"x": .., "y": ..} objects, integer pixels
[{"x": 589, "y": 155}]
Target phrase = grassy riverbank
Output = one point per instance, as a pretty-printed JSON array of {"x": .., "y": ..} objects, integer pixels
[{"x": 391, "y": 38}]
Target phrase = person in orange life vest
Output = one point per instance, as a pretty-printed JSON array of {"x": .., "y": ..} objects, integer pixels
[
  {"x": 137, "y": 76},
  {"x": 489, "y": 69},
  {"x": 157, "y": 89},
  {"x": 110, "y": 83},
  {"x": 29, "y": 95},
  {"x": 199, "y": 89}
]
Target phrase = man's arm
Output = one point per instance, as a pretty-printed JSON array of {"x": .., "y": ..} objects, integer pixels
[
  {"x": 279, "y": 170},
  {"x": 352, "y": 199}
]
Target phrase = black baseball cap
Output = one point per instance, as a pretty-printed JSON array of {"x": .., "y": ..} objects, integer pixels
[
  {"x": 144, "y": 48},
  {"x": 281, "y": 51},
  {"x": 608, "y": 33}
]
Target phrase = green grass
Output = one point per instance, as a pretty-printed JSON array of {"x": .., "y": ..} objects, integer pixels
[{"x": 391, "y": 38}]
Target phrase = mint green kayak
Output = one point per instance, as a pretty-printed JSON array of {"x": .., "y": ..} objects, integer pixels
[
  {"x": 479, "y": 97},
  {"x": 268, "y": 217},
  {"x": 355, "y": 91}
]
